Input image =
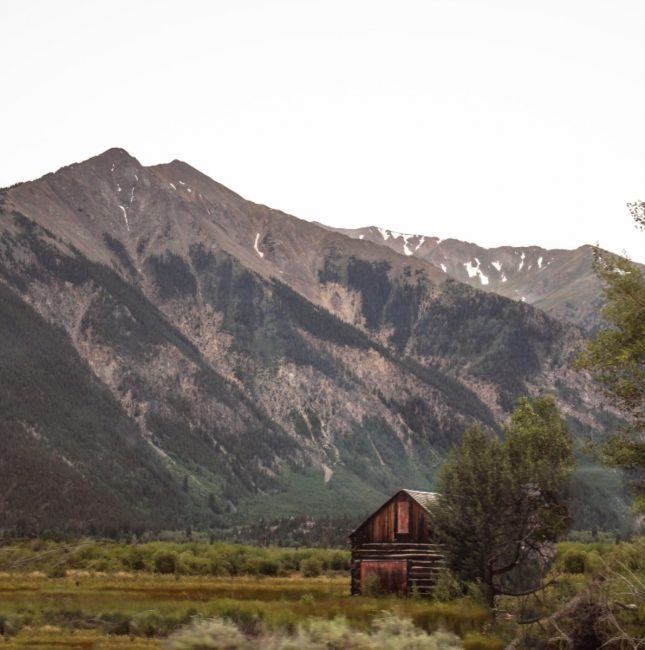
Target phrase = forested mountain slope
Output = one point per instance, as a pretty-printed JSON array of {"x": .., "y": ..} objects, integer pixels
[{"x": 177, "y": 355}]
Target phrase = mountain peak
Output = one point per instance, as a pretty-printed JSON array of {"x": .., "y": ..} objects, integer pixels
[{"x": 115, "y": 156}]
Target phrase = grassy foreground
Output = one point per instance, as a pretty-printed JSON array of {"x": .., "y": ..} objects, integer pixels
[
  {"x": 90, "y": 610},
  {"x": 90, "y": 595}
]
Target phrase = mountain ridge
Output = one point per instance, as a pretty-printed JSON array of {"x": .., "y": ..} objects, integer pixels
[
  {"x": 559, "y": 281},
  {"x": 262, "y": 359}
]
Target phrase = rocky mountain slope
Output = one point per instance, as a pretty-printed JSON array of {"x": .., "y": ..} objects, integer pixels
[
  {"x": 173, "y": 354},
  {"x": 561, "y": 282}
]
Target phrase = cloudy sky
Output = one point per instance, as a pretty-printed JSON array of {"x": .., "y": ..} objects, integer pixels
[{"x": 495, "y": 121}]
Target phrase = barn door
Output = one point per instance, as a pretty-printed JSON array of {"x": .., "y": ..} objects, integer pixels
[
  {"x": 389, "y": 577},
  {"x": 403, "y": 521}
]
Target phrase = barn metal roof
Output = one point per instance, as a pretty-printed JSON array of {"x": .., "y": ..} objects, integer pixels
[{"x": 424, "y": 499}]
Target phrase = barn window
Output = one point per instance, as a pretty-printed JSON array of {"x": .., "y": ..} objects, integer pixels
[{"x": 403, "y": 517}]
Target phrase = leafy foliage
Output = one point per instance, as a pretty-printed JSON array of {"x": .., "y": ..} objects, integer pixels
[
  {"x": 499, "y": 506},
  {"x": 616, "y": 359},
  {"x": 617, "y": 355}
]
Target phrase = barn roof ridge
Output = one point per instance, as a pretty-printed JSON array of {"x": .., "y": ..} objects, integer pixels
[{"x": 424, "y": 499}]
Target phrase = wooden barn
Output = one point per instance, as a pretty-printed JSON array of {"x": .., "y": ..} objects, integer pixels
[{"x": 392, "y": 549}]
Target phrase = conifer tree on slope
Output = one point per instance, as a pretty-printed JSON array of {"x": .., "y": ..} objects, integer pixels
[
  {"x": 498, "y": 508},
  {"x": 616, "y": 358}
]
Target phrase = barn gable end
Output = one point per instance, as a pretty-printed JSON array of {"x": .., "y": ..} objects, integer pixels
[{"x": 392, "y": 548}]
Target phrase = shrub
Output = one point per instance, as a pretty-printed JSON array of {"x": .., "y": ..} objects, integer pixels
[
  {"x": 311, "y": 567},
  {"x": 268, "y": 567},
  {"x": 388, "y": 632},
  {"x": 447, "y": 587},
  {"x": 574, "y": 562},
  {"x": 215, "y": 634},
  {"x": 135, "y": 560},
  {"x": 219, "y": 567},
  {"x": 340, "y": 561},
  {"x": 189, "y": 564},
  {"x": 250, "y": 567},
  {"x": 165, "y": 562}
]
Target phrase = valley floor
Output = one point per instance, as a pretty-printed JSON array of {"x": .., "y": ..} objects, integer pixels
[
  {"x": 44, "y": 607},
  {"x": 131, "y": 610}
]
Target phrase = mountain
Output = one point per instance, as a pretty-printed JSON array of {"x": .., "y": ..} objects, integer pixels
[
  {"x": 175, "y": 355},
  {"x": 560, "y": 282}
]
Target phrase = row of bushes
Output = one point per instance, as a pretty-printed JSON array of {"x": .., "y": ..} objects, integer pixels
[
  {"x": 592, "y": 559},
  {"x": 193, "y": 558}
]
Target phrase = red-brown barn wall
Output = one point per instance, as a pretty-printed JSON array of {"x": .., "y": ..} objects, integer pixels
[{"x": 382, "y": 526}]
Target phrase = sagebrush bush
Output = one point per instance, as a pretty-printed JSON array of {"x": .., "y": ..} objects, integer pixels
[
  {"x": 214, "y": 634},
  {"x": 388, "y": 632}
]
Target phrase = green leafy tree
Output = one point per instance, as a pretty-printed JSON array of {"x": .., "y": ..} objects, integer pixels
[
  {"x": 498, "y": 509},
  {"x": 616, "y": 357}
]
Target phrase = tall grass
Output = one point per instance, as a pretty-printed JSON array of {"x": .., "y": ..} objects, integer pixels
[{"x": 387, "y": 632}]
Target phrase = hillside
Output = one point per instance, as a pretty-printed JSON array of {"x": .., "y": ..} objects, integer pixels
[
  {"x": 560, "y": 282},
  {"x": 192, "y": 358}
]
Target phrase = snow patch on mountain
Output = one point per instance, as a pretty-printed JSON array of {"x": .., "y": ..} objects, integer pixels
[
  {"x": 125, "y": 217},
  {"x": 406, "y": 248},
  {"x": 255, "y": 245},
  {"x": 497, "y": 265},
  {"x": 474, "y": 270}
]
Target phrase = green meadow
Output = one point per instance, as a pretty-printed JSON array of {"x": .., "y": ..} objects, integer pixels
[{"x": 99, "y": 596}]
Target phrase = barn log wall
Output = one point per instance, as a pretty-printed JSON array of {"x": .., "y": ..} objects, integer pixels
[
  {"x": 397, "y": 534},
  {"x": 424, "y": 564}
]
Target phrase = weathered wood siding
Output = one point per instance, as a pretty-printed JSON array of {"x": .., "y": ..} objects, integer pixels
[
  {"x": 392, "y": 523},
  {"x": 424, "y": 563},
  {"x": 392, "y": 575},
  {"x": 395, "y": 544}
]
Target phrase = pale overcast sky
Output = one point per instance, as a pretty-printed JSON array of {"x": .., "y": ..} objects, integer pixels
[{"x": 499, "y": 122}]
